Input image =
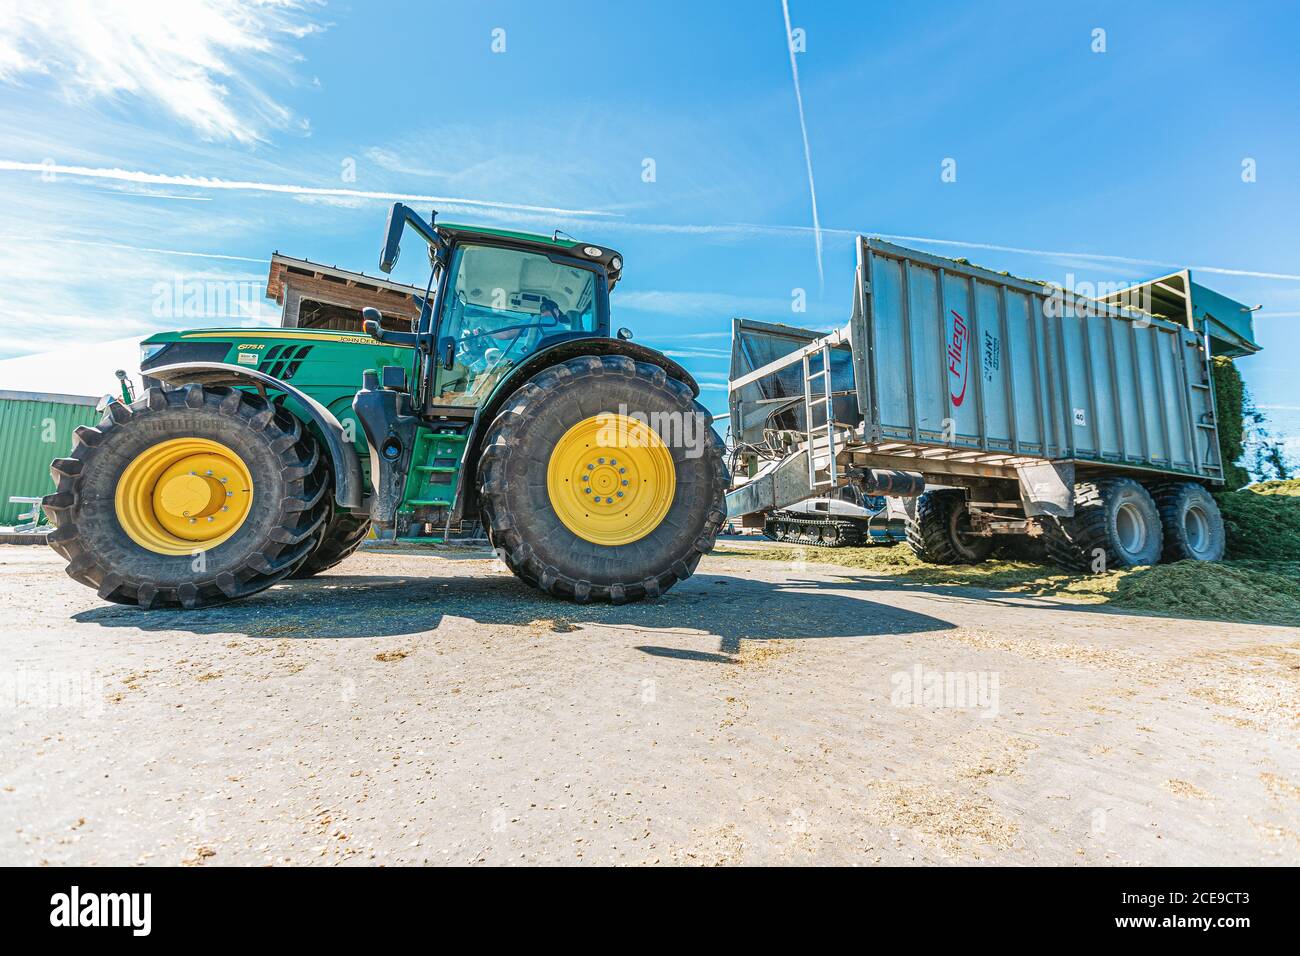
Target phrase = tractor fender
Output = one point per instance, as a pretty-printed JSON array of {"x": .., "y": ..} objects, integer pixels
[
  {"x": 348, "y": 482},
  {"x": 544, "y": 358},
  {"x": 569, "y": 348}
]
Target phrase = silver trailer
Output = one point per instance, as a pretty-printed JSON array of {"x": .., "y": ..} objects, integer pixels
[{"x": 1087, "y": 425}]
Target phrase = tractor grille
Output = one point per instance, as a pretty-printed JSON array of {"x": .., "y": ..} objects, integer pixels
[{"x": 283, "y": 361}]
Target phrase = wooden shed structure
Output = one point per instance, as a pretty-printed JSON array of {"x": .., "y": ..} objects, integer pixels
[{"x": 315, "y": 296}]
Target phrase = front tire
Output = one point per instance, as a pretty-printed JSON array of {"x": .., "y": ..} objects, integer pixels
[
  {"x": 141, "y": 521},
  {"x": 559, "y": 510}
]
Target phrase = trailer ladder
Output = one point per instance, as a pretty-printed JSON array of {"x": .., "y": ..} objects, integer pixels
[
  {"x": 1212, "y": 426},
  {"x": 814, "y": 431}
]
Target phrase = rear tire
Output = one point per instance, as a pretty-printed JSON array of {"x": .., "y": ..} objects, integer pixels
[
  {"x": 1115, "y": 525},
  {"x": 1193, "y": 525},
  {"x": 343, "y": 534},
  {"x": 286, "y": 508},
  {"x": 935, "y": 525},
  {"x": 520, "y": 510}
]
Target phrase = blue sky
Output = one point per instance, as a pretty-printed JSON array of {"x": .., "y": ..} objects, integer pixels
[{"x": 1134, "y": 153}]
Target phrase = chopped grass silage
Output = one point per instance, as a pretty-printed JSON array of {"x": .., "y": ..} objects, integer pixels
[
  {"x": 1263, "y": 521},
  {"x": 1259, "y": 582},
  {"x": 1247, "y": 591}
]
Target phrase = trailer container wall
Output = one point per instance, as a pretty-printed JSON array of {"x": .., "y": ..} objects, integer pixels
[
  {"x": 776, "y": 401},
  {"x": 947, "y": 354}
]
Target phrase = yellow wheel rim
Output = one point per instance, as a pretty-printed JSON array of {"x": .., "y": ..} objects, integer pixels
[
  {"x": 611, "y": 479},
  {"x": 183, "y": 495}
]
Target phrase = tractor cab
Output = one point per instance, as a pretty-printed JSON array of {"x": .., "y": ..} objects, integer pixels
[
  {"x": 495, "y": 298},
  {"x": 502, "y": 298},
  {"x": 500, "y": 306}
]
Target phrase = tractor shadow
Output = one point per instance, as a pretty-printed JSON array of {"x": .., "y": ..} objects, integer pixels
[{"x": 344, "y": 607}]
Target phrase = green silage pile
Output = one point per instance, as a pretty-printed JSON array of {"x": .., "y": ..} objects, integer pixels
[{"x": 1263, "y": 521}]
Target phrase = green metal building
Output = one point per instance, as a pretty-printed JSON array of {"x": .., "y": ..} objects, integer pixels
[{"x": 35, "y": 428}]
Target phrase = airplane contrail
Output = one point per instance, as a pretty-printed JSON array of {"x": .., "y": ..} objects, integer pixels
[
  {"x": 807, "y": 151},
  {"x": 204, "y": 182},
  {"x": 130, "y": 248},
  {"x": 739, "y": 228}
]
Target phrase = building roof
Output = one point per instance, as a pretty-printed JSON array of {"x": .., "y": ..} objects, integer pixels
[{"x": 282, "y": 265}]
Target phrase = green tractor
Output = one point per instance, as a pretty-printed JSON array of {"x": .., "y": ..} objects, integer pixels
[{"x": 251, "y": 455}]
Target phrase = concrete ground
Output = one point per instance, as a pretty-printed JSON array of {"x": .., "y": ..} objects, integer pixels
[{"x": 411, "y": 708}]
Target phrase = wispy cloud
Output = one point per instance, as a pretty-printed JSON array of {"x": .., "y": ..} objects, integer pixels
[
  {"x": 204, "y": 182},
  {"x": 203, "y": 61},
  {"x": 803, "y": 128},
  {"x": 690, "y": 336},
  {"x": 697, "y": 353},
  {"x": 396, "y": 163},
  {"x": 692, "y": 303},
  {"x": 744, "y": 229}
]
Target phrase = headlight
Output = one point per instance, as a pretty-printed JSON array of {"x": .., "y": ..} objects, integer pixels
[
  {"x": 616, "y": 264},
  {"x": 149, "y": 350},
  {"x": 594, "y": 251}
]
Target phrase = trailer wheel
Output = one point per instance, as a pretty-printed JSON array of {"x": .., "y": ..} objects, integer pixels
[
  {"x": 1193, "y": 525},
  {"x": 187, "y": 498},
  {"x": 938, "y": 529},
  {"x": 343, "y": 534},
  {"x": 584, "y": 500},
  {"x": 1115, "y": 525}
]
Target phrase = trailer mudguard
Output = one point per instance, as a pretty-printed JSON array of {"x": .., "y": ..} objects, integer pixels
[{"x": 348, "y": 482}]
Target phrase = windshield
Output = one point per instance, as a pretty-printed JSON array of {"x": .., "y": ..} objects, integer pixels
[{"x": 500, "y": 303}]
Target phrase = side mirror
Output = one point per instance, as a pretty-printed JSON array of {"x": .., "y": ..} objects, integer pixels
[
  {"x": 447, "y": 350},
  {"x": 392, "y": 238},
  {"x": 398, "y": 217},
  {"x": 625, "y": 334},
  {"x": 370, "y": 322}
]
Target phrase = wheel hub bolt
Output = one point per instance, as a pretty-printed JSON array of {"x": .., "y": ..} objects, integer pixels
[
  {"x": 622, "y": 471},
  {"x": 624, "y": 484},
  {"x": 586, "y": 491},
  {"x": 620, "y": 494},
  {"x": 600, "y": 460}
]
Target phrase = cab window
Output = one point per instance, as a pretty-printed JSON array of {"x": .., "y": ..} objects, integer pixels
[{"x": 499, "y": 304}]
